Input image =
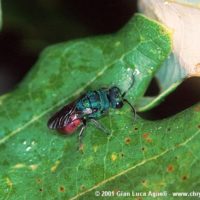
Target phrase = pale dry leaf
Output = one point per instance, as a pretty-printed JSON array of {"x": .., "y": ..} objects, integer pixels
[{"x": 183, "y": 20}]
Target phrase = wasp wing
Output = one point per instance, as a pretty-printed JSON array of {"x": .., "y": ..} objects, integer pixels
[{"x": 61, "y": 118}]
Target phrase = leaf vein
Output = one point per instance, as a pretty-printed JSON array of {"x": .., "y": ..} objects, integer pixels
[{"x": 137, "y": 165}]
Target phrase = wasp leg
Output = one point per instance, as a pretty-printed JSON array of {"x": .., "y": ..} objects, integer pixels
[
  {"x": 133, "y": 109},
  {"x": 100, "y": 126},
  {"x": 80, "y": 135}
]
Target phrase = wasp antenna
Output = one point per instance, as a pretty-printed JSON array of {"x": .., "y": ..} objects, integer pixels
[
  {"x": 133, "y": 109},
  {"x": 130, "y": 86}
]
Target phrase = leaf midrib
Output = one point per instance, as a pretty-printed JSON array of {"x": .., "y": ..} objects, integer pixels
[{"x": 36, "y": 118}]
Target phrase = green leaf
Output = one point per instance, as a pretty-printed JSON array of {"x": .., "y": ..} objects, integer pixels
[
  {"x": 168, "y": 77},
  {"x": 37, "y": 163},
  {"x": 151, "y": 157}
]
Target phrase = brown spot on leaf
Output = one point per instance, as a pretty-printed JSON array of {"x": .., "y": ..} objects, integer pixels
[
  {"x": 143, "y": 148},
  {"x": 82, "y": 187},
  {"x": 136, "y": 128},
  {"x": 170, "y": 168},
  {"x": 145, "y": 135},
  {"x": 122, "y": 155},
  {"x": 147, "y": 138},
  {"x": 41, "y": 190},
  {"x": 38, "y": 180},
  {"x": 197, "y": 108},
  {"x": 127, "y": 140},
  {"x": 62, "y": 189},
  {"x": 184, "y": 177},
  {"x": 144, "y": 183},
  {"x": 177, "y": 144},
  {"x": 199, "y": 126}
]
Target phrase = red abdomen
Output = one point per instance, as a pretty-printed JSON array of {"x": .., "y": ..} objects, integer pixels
[{"x": 72, "y": 125}]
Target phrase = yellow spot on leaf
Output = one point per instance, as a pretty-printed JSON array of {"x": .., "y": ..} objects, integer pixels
[
  {"x": 95, "y": 148},
  {"x": 19, "y": 166},
  {"x": 162, "y": 183},
  {"x": 9, "y": 182},
  {"x": 22, "y": 165},
  {"x": 117, "y": 43},
  {"x": 55, "y": 166},
  {"x": 113, "y": 156},
  {"x": 33, "y": 167}
]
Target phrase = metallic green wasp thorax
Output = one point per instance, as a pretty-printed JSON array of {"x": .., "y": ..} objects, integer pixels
[{"x": 96, "y": 103}]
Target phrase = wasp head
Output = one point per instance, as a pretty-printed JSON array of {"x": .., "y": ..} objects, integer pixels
[{"x": 115, "y": 97}]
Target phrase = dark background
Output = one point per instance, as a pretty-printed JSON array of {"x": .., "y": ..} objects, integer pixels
[{"x": 30, "y": 26}]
